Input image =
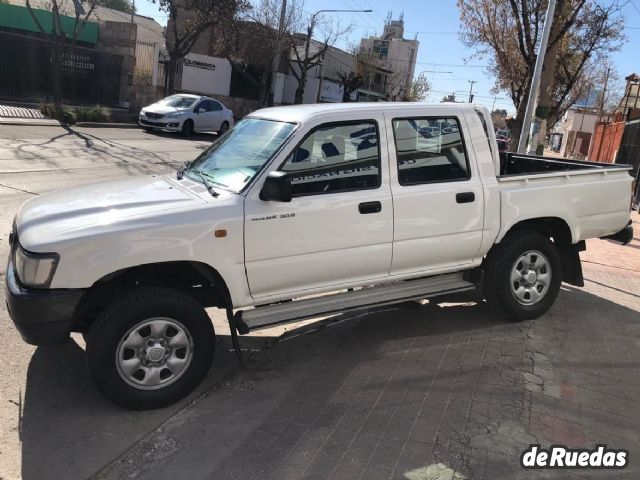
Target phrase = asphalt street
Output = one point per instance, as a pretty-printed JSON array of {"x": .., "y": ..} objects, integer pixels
[
  {"x": 52, "y": 422},
  {"x": 420, "y": 391}
]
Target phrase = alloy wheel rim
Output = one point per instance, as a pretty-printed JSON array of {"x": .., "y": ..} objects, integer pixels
[
  {"x": 154, "y": 353},
  {"x": 530, "y": 277}
]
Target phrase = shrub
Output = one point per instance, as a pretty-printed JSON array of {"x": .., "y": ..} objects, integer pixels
[
  {"x": 91, "y": 114},
  {"x": 68, "y": 117}
]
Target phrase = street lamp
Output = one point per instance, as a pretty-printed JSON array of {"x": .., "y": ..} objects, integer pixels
[{"x": 312, "y": 24}]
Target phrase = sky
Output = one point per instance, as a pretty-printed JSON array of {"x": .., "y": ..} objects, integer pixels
[{"x": 448, "y": 64}]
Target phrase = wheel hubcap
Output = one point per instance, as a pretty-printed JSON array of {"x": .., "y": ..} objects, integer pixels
[
  {"x": 154, "y": 353},
  {"x": 530, "y": 277}
]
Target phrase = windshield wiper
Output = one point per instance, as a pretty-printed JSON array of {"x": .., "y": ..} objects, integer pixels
[
  {"x": 182, "y": 169},
  {"x": 210, "y": 188}
]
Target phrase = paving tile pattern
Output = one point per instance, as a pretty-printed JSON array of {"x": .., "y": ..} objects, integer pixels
[
  {"x": 426, "y": 392},
  {"x": 451, "y": 385}
]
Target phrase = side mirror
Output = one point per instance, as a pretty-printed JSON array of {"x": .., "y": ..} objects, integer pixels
[
  {"x": 276, "y": 188},
  {"x": 201, "y": 110}
]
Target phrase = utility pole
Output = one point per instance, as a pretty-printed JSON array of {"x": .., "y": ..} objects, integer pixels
[
  {"x": 471, "y": 90},
  {"x": 133, "y": 9},
  {"x": 535, "y": 81},
  {"x": 276, "y": 59}
]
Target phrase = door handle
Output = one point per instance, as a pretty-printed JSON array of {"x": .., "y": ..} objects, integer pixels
[
  {"x": 369, "y": 207},
  {"x": 465, "y": 197}
]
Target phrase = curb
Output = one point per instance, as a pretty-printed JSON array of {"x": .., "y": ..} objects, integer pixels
[
  {"x": 106, "y": 125},
  {"x": 43, "y": 122}
]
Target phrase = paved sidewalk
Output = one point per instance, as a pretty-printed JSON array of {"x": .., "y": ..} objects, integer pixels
[{"x": 434, "y": 391}]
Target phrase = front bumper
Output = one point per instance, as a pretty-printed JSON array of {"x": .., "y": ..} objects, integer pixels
[
  {"x": 624, "y": 236},
  {"x": 172, "y": 125},
  {"x": 43, "y": 317}
]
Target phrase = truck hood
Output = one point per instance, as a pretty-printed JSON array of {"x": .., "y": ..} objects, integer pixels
[{"x": 53, "y": 216}]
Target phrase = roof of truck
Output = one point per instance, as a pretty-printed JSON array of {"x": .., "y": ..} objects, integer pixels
[{"x": 299, "y": 113}]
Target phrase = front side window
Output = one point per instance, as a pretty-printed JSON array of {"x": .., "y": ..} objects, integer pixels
[
  {"x": 231, "y": 162},
  {"x": 336, "y": 158},
  {"x": 429, "y": 150}
]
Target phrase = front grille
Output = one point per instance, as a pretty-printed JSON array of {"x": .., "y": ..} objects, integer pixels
[
  {"x": 152, "y": 124},
  {"x": 154, "y": 115}
]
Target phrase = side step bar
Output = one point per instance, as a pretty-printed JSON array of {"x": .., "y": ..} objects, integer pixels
[{"x": 280, "y": 313}]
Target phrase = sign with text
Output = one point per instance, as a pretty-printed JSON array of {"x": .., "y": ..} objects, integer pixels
[{"x": 206, "y": 75}]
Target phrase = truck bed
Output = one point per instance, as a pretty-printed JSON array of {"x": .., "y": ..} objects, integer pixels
[{"x": 513, "y": 164}]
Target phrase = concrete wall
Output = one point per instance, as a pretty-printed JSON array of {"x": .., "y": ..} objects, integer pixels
[{"x": 119, "y": 38}]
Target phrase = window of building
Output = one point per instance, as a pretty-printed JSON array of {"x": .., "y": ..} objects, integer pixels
[
  {"x": 381, "y": 47},
  {"x": 334, "y": 158},
  {"x": 429, "y": 150}
]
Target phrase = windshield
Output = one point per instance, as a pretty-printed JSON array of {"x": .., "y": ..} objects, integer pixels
[
  {"x": 231, "y": 162},
  {"x": 177, "y": 101}
]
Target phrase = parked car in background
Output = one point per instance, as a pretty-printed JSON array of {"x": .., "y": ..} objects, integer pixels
[{"x": 186, "y": 114}]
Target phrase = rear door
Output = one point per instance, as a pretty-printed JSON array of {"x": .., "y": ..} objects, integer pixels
[
  {"x": 338, "y": 228},
  {"x": 437, "y": 195},
  {"x": 215, "y": 115}
]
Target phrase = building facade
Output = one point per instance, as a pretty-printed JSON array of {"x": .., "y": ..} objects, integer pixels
[{"x": 396, "y": 57}]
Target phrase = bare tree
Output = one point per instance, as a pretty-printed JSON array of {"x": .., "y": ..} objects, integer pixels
[
  {"x": 508, "y": 34},
  {"x": 275, "y": 27},
  {"x": 419, "y": 89},
  {"x": 303, "y": 58},
  {"x": 352, "y": 80},
  {"x": 188, "y": 19},
  {"x": 62, "y": 42}
]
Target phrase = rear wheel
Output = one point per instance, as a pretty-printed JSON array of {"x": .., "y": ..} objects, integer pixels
[
  {"x": 187, "y": 128},
  {"x": 523, "y": 274},
  {"x": 150, "y": 348},
  {"x": 223, "y": 128}
]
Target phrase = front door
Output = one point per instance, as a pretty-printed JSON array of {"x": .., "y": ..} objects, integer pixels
[
  {"x": 437, "y": 196},
  {"x": 201, "y": 118},
  {"x": 338, "y": 228}
]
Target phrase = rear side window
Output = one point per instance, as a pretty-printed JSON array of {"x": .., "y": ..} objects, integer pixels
[
  {"x": 336, "y": 157},
  {"x": 429, "y": 150}
]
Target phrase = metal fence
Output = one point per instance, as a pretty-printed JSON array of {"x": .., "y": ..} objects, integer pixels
[{"x": 26, "y": 65}]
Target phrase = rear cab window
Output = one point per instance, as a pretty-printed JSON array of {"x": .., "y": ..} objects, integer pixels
[{"x": 430, "y": 149}]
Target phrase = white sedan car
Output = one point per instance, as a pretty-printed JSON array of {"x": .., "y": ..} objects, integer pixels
[{"x": 186, "y": 114}]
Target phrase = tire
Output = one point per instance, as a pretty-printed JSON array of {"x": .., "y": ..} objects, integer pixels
[
  {"x": 511, "y": 290},
  {"x": 223, "y": 128},
  {"x": 134, "y": 371},
  {"x": 187, "y": 128}
]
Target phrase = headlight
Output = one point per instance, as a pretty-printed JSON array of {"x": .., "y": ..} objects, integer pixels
[
  {"x": 35, "y": 269},
  {"x": 174, "y": 115}
]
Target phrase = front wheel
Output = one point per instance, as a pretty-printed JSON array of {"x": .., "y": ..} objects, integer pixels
[
  {"x": 523, "y": 274},
  {"x": 187, "y": 128},
  {"x": 150, "y": 348}
]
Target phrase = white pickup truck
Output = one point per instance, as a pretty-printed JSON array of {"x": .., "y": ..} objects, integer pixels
[{"x": 299, "y": 212}]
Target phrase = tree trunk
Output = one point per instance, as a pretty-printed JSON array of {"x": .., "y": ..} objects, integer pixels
[
  {"x": 56, "y": 76},
  {"x": 301, "y": 85},
  {"x": 515, "y": 125},
  {"x": 171, "y": 74}
]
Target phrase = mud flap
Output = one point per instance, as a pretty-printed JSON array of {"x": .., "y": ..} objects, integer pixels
[{"x": 571, "y": 266}]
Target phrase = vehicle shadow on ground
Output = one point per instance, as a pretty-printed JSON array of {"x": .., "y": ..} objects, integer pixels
[
  {"x": 68, "y": 430},
  {"x": 194, "y": 137},
  {"x": 405, "y": 391}
]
